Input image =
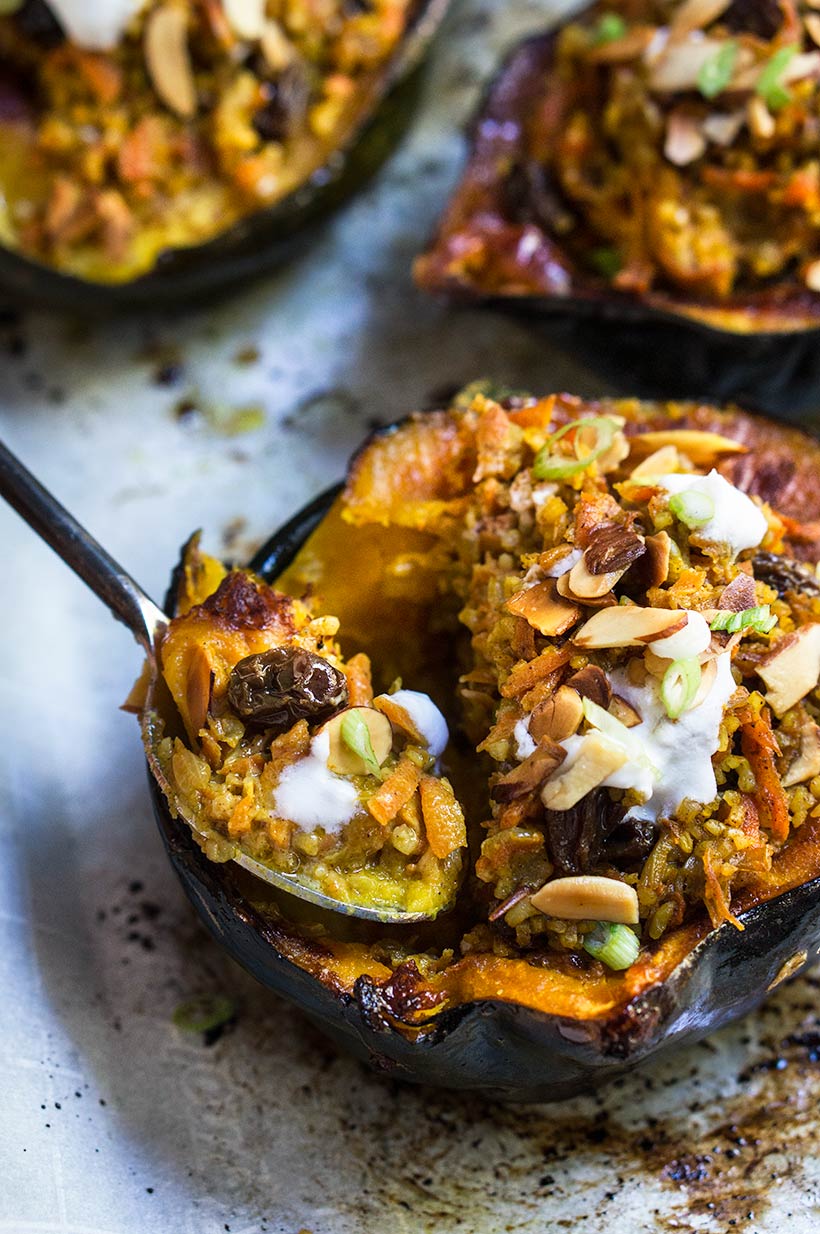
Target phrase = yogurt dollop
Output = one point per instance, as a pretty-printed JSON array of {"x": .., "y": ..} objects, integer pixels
[
  {"x": 97, "y": 25},
  {"x": 310, "y": 795},
  {"x": 737, "y": 522},
  {"x": 427, "y": 718}
]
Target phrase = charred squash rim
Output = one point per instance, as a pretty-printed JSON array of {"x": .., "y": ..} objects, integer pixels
[
  {"x": 562, "y": 286},
  {"x": 501, "y": 1025},
  {"x": 267, "y": 237}
]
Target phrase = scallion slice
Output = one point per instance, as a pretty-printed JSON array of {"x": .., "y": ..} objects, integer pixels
[
  {"x": 612, "y": 727},
  {"x": 356, "y": 736},
  {"x": 680, "y": 685},
  {"x": 551, "y": 466},
  {"x": 692, "y": 508},
  {"x": 613, "y": 944},
  {"x": 611, "y": 26},
  {"x": 716, "y": 72},
  {"x": 759, "y": 619},
  {"x": 770, "y": 86}
]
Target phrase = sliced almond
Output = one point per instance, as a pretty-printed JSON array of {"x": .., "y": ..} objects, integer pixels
[
  {"x": 685, "y": 142},
  {"x": 738, "y": 595},
  {"x": 624, "y": 711},
  {"x": 723, "y": 127},
  {"x": 612, "y": 548},
  {"x": 343, "y": 760},
  {"x": 656, "y": 665},
  {"x": 681, "y": 61},
  {"x": 245, "y": 17},
  {"x": 544, "y": 609},
  {"x": 696, "y": 15},
  {"x": 811, "y": 276},
  {"x": 628, "y": 625},
  {"x": 558, "y": 717},
  {"x": 527, "y": 776},
  {"x": 658, "y": 549},
  {"x": 812, "y": 23},
  {"x": 596, "y": 759},
  {"x": 792, "y": 669},
  {"x": 704, "y": 449},
  {"x": 565, "y": 590},
  {"x": 592, "y": 682},
  {"x": 198, "y": 684},
  {"x": 660, "y": 463},
  {"x": 588, "y": 897},
  {"x": 276, "y": 47},
  {"x": 761, "y": 121},
  {"x": 589, "y": 586},
  {"x": 168, "y": 59},
  {"x": 807, "y": 763}
]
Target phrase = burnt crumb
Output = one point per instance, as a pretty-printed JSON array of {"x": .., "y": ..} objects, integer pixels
[
  {"x": 135, "y": 887},
  {"x": 168, "y": 374}
]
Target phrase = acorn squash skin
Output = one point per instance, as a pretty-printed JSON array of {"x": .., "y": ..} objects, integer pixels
[
  {"x": 264, "y": 239},
  {"x": 505, "y": 1049}
]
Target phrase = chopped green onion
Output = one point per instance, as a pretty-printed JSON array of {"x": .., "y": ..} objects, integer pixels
[
  {"x": 550, "y": 466},
  {"x": 613, "y": 944},
  {"x": 770, "y": 86},
  {"x": 760, "y": 619},
  {"x": 205, "y": 1013},
  {"x": 611, "y": 26},
  {"x": 680, "y": 685},
  {"x": 715, "y": 73},
  {"x": 692, "y": 508},
  {"x": 356, "y": 736},
  {"x": 607, "y": 261}
]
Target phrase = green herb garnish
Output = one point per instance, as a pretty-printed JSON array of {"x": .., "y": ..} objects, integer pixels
[
  {"x": 613, "y": 944},
  {"x": 611, "y": 26},
  {"x": 551, "y": 466},
  {"x": 715, "y": 73},
  {"x": 760, "y": 619},
  {"x": 770, "y": 86},
  {"x": 205, "y": 1013},
  {"x": 692, "y": 508},
  {"x": 605, "y": 261},
  {"x": 356, "y": 736},
  {"x": 680, "y": 685}
]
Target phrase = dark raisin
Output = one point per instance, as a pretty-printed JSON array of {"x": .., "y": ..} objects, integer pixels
[
  {"x": 286, "y": 101},
  {"x": 784, "y": 574},
  {"x": 278, "y": 687}
]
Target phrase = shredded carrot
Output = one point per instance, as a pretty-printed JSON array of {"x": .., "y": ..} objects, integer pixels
[
  {"x": 443, "y": 817},
  {"x": 399, "y": 717},
  {"x": 525, "y": 676},
  {"x": 100, "y": 74},
  {"x": 242, "y": 816},
  {"x": 538, "y": 415},
  {"x": 359, "y": 680},
  {"x": 759, "y": 746},
  {"x": 396, "y": 791},
  {"x": 715, "y": 897}
]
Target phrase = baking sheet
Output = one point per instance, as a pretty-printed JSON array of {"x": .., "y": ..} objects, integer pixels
[{"x": 228, "y": 417}]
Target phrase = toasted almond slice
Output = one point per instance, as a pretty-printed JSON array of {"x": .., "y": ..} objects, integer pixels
[
  {"x": 588, "y": 897},
  {"x": 564, "y": 590},
  {"x": 245, "y": 17},
  {"x": 597, "y": 758},
  {"x": 168, "y": 59},
  {"x": 590, "y": 586},
  {"x": 592, "y": 682},
  {"x": 807, "y": 763},
  {"x": 276, "y": 47},
  {"x": 628, "y": 625},
  {"x": 704, "y": 449},
  {"x": 198, "y": 684},
  {"x": 658, "y": 548},
  {"x": 558, "y": 717},
  {"x": 544, "y": 609},
  {"x": 811, "y": 276},
  {"x": 696, "y": 15},
  {"x": 684, "y": 140},
  {"x": 624, "y": 711},
  {"x": 738, "y": 595},
  {"x": 656, "y": 665},
  {"x": 342, "y": 759},
  {"x": 660, "y": 463},
  {"x": 812, "y": 23},
  {"x": 526, "y": 777},
  {"x": 792, "y": 669}
]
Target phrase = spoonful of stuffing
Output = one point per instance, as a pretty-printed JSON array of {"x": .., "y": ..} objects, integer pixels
[{"x": 266, "y": 742}]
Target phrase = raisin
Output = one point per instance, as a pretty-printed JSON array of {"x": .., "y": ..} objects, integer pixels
[
  {"x": 785, "y": 575},
  {"x": 278, "y": 687}
]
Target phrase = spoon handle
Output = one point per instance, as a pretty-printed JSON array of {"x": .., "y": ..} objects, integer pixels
[{"x": 79, "y": 550}]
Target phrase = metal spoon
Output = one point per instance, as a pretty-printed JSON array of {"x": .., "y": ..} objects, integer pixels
[{"x": 126, "y": 600}]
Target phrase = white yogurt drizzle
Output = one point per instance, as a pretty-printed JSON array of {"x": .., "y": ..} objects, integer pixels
[
  {"x": 737, "y": 522},
  {"x": 310, "y": 795},
  {"x": 97, "y": 25}
]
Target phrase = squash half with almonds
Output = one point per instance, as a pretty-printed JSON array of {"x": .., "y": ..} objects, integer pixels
[
  {"x": 152, "y": 147},
  {"x": 619, "y": 606}
]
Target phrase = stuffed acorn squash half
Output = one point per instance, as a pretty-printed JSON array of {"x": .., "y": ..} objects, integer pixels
[
  {"x": 150, "y": 148},
  {"x": 616, "y": 608}
]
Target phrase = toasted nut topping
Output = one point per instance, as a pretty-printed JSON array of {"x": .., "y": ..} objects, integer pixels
[
  {"x": 685, "y": 141},
  {"x": 738, "y": 595},
  {"x": 811, "y": 276},
  {"x": 661, "y": 463},
  {"x": 612, "y": 549},
  {"x": 624, "y": 711},
  {"x": 168, "y": 59},
  {"x": 628, "y": 625},
  {"x": 696, "y": 15},
  {"x": 591, "y": 601},
  {"x": 761, "y": 121},
  {"x": 791, "y": 670},
  {"x": 592, "y": 682},
  {"x": 658, "y": 548},
  {"x": 584, "y": 585},
  {"x": 198, "y": 682},
  {"x": 588, "y": 897},
  {"x": 807, "y": 763},
  {"x": 558, "y": 716},
  {"x": 812, "y": 23},
  {"x": 276, "y": 47},
  {"x": 655, "y": 664},
  {"x": 543, "y": 609},
  {"x": 704, "y": 449},
  {"x": 527, "y": 776},
  {"x": 342, "y": 759},
  {"x": 245, "y": 17},
  {"x": 596, "y": 759}
]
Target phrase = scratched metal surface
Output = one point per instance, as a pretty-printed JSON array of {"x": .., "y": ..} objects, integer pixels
[{"x": 115, "y": 1122}]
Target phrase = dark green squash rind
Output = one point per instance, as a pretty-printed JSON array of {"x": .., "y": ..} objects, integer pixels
[{"x": 263, "y": 240}]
